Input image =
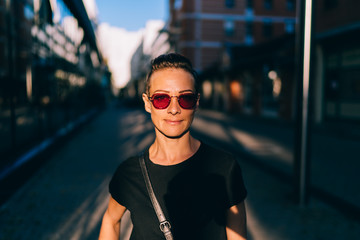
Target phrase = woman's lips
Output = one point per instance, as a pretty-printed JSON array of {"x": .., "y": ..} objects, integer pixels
[{"x": 173, "y": 122}]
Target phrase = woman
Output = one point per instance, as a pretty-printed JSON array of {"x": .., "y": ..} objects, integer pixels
[{"x": 200, "y": 189}]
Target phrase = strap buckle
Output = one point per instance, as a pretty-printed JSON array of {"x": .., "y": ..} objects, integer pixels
[{"x": 165, "y": 226}]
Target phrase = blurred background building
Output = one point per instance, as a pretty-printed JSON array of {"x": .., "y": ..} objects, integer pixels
[
  {"x": 245, "y": 54},
  {"x": 223, "y": 39},
  {"x": 235, "y": 45},
  {"x": 51, "y": 71},
  {"x": 154, "y": 41},
  {"x": 337, "y": 77}
]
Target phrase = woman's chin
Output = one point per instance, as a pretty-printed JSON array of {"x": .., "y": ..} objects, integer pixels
[{"x": 174, "y": 134}]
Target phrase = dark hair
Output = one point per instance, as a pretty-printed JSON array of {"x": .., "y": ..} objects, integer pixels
[{"x": 171, "y": 60}]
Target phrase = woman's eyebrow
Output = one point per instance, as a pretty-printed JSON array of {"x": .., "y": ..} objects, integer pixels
[
  {"x": 182, "y": 91},
  {"x": 188, "y": 90},
  {"x": 161, "y": 91}
]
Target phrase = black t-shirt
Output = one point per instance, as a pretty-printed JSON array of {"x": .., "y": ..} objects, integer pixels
[{"x": 194, "y": 194}]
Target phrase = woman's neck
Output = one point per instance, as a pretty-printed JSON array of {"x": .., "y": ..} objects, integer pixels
[{"x": 169, "y": 151}]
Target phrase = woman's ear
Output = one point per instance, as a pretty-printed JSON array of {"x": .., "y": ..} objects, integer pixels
[
  {"x": 147, "y": 103},
  {"x": 197, "y": 102}
]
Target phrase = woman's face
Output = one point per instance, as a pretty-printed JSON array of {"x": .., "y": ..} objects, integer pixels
[{"x": 172, "y": 121}]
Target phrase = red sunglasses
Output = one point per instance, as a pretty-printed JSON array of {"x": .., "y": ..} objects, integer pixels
[{"x": 185, "y": 100}]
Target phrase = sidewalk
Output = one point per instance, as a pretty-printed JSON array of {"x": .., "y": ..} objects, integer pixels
[
  {"x": 265, "y": 150},
  {"x": 269, "y": 143},
  {"x": 67, "y": 197}
]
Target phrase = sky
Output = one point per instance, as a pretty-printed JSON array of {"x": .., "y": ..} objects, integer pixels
[
  {"x": 131, "y": 14},
  {"x": 123, "y": 27}
]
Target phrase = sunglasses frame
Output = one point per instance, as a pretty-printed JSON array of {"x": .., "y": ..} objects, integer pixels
[{"x": 196, "y": 96}]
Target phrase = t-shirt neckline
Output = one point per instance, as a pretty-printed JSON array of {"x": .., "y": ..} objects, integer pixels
[{"x": 186, "y": 161}]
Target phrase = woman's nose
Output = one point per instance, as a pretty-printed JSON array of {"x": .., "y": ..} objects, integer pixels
[{"x": 174, "y": 106}]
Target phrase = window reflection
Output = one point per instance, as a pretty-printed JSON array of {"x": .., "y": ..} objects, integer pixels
[{"x": 49, "y": 73}]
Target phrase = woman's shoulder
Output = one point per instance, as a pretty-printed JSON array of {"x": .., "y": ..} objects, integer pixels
[
  {"x": 216, "y": 157},
  {"x": 214, "y": 151},
  {"x": 217, "y": 160},
  {"x": 129, "y": 165}
]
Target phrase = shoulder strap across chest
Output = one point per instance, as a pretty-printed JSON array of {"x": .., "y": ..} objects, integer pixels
[{"x": 164, "y": 224}]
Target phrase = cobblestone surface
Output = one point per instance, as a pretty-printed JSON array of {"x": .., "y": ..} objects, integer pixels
[{"x": 67, "y": 197}]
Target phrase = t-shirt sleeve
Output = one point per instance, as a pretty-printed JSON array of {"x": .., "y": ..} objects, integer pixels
[
  {"x": 235, "y": 185},
  {"x": 116, "y": 186}
]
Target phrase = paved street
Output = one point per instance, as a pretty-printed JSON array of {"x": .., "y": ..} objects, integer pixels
[{"x": 67, "y": 197}]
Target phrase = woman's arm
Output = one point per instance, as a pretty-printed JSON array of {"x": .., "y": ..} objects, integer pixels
[
  {"x": 236, "y": 222},
  {"x": 110, "y": 227}
]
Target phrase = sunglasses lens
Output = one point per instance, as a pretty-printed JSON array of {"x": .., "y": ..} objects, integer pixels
[
  {"x": 187, "y": 101},
  {"x": 161, "y": 101}
]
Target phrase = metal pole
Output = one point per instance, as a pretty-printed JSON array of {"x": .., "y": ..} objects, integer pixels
[
  {"x": 301, "y": 158},
  {"x": 305, "y": 106}
]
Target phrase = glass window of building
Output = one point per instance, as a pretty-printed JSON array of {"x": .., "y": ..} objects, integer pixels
[
  {"x": 249, "y": 39},
  {"x": 267, "y": 28},
  {"x": 49, "y": 73},
  {"x": 249, "y": 11},
  {"x": 230, "y": 3},
  {"x": 289, "y": 26},
  {"x": 249, "y": 28},
  {"x": 290, "y": 5},
  {"x": 229, "y": 27},
  {"x": 330, "y": 4},
  {"x": 28, "y": 12},
  {"x": 268, "y": 4},
  {"x": 178, "y": 4}
]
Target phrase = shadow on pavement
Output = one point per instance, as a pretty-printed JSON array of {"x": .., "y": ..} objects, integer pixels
[{"x": 68, "y": 196}]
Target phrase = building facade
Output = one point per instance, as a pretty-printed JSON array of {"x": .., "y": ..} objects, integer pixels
[
  {"x": 51, "y": 71},
  {"x": 337, "y": 79},
  {"x": 245, "y": 52},
  {"x": 154, "y": 42},
  {"x": 215, "y": 34},
  {"x": 201, "y": 30}
]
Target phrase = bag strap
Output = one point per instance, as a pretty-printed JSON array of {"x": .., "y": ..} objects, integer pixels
[{"x": 164, "y": 224}]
